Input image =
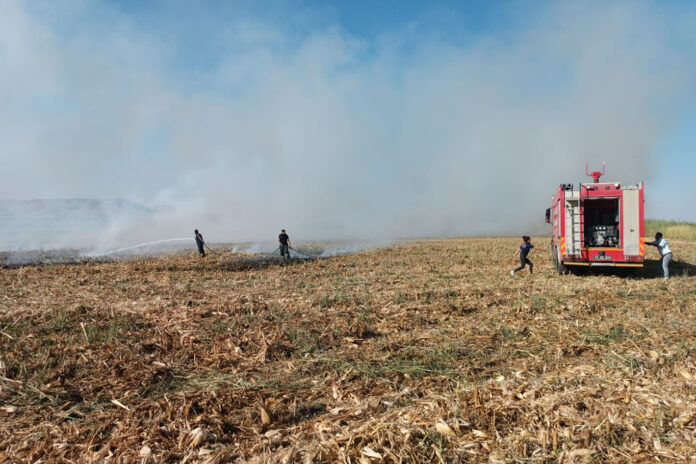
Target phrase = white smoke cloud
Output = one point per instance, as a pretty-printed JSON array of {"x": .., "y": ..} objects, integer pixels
[{"x": 328, "y": 134}]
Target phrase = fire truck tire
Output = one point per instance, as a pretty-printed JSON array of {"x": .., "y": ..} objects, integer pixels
[{"x": 560, "y": 268}]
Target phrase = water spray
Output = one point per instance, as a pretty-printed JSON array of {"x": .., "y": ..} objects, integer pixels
[
  {"x": 140, "y": 245},
  {"x": 302, "y": 253}
]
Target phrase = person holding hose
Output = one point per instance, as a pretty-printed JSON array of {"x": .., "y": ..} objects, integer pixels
[
  {"x": 284, "y": 242},
  {"x": 199, "y": 242},
  {"x": 665, "y": 253},
  {"x": 524, "y": 250}
]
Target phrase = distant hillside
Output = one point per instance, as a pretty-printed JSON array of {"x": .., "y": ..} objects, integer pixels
[
  {"x": 671, "y": 229},
  {"x": 40, "y": 224}
]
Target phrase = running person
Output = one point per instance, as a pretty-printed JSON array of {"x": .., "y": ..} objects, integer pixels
[
  {"x": 665, "y": 253},
  {"x": 284, "y": 241},
  {"x": 524, "y": 250},
  {"x": 199, "y": 242}
]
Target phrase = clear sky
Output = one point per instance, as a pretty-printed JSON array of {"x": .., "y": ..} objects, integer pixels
[{"x": 448, "y": 117}]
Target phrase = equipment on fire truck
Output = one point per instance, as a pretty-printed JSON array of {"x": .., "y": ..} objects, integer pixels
[{"x": 602, "y": 236}]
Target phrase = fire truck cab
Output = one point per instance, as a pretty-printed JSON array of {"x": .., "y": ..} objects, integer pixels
[{"x": 598, "y": 224}]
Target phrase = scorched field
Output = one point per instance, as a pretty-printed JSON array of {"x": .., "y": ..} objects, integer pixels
[{"x": 423, "y": 352}]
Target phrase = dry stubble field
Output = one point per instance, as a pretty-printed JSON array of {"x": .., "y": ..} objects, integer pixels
[{"x": 424, "y": 352}]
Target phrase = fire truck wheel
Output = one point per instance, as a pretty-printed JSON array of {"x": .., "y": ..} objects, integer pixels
[{"x": 560, "y": 268}]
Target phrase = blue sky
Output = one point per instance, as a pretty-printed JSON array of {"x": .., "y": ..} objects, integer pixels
[{"x": 435, "y": 118}]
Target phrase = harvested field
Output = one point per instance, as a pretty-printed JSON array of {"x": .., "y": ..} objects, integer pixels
[{"x": 426, "y": 352}]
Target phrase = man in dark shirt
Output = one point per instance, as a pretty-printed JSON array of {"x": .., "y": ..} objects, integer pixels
[
  {"x": 284, "y": 241},
  {"x": 199, "y": 242}
]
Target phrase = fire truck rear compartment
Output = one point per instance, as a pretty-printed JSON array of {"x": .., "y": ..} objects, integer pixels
[{"x": 601, "y": 221}]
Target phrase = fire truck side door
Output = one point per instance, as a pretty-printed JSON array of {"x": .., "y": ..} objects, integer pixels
[{"x": 631, "y": 226}]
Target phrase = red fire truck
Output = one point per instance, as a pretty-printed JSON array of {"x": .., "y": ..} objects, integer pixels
[{"x": 598, "y": 224}]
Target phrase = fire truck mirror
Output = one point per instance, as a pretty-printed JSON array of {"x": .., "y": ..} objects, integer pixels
[{"x": 548, "y": 215}]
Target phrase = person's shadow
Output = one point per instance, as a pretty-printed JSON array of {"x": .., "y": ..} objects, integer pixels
[{"x": 652, "y": 269}]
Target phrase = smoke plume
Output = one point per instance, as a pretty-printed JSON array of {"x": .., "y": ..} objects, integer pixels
[{"x": 241, "y": 122}]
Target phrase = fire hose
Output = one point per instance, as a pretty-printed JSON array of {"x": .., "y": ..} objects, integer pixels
[
  {"x": 299, "y": 252},
  {"x": 273, "y": 252}
]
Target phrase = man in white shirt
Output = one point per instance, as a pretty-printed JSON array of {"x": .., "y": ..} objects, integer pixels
[{"x": 665, "y": 253}]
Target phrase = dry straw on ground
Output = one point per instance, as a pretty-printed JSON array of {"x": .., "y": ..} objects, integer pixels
[{"x": 427, "y": 352}]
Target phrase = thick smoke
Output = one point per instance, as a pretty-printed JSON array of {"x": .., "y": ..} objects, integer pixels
[{"x": 297, "y": 123}]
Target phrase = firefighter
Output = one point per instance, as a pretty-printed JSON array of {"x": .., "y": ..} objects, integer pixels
[
  {"x": 284, "y": 242},
  {"x": 199, "y": 242},
  {"x": 665, "y": 253},
  {"x": 523, "y": 251}
]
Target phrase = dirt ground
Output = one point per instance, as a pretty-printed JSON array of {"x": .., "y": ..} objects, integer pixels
[{"x": 423, "y": 352}]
